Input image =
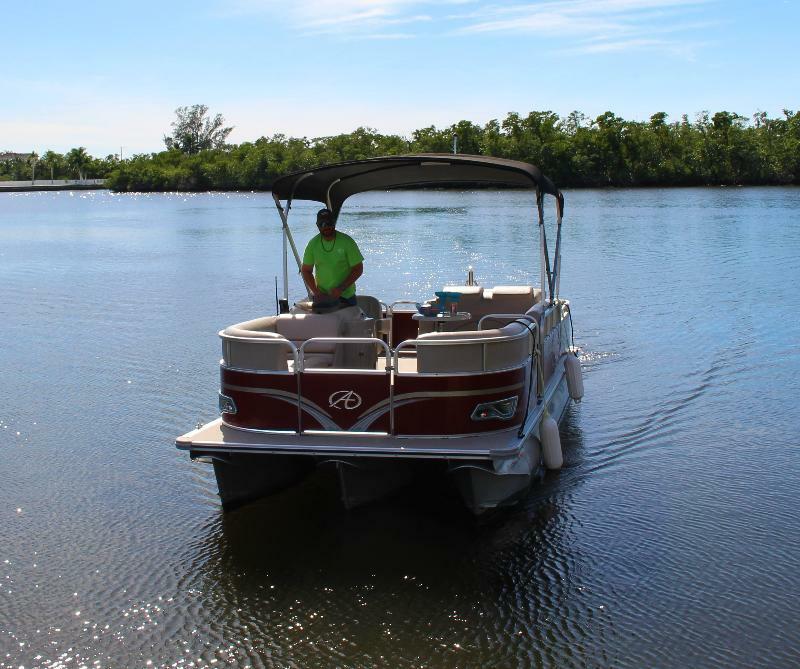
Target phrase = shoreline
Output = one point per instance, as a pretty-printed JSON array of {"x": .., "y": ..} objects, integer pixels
[
  {"x": 47, "y": 185},
  {"x": 17, "y": 187}
]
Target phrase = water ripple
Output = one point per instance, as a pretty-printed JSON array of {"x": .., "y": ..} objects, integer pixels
[{"x": 666, "y": 540}]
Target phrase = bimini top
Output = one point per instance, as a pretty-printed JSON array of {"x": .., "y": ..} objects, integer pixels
[{"x": 333, "y": 184}]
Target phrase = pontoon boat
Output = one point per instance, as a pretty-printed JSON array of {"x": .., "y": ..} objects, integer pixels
[{"x": 469, "y": 385}]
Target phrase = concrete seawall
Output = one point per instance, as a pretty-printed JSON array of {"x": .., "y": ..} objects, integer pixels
[{"x": 47, "y": 184}]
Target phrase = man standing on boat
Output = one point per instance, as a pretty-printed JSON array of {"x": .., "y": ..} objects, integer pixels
[{"x": 332, "y": 263}]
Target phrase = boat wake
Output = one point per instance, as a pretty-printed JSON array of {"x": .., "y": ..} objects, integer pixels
[{"x": 631, "y": 434}]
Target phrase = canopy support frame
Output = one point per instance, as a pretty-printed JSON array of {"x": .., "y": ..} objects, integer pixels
[
  {"x": 549, "y": 288},
  {"x": 557, "y": 260},
  {"x": 287, "y": 237}
]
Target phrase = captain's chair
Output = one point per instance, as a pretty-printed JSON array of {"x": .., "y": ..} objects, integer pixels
[{"x": 370, "y": 306}]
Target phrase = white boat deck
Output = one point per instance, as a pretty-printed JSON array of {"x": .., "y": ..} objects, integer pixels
[{"x": 216, "y": 437}]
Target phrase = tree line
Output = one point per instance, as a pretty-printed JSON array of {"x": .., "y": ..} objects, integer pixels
[
  {"x": 75, "y": 164},
  {"x": 574, "y": 151}
]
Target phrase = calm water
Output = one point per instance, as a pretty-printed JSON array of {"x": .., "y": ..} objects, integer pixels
[{"x": 670, "y": 539}]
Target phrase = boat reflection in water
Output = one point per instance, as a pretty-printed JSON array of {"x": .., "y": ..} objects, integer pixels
[
  {"x": 414, "y": 572},
  {"x": 467, "y": 388}
]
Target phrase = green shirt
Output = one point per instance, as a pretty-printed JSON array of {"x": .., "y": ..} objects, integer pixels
[{"x": 332, "y": 261}]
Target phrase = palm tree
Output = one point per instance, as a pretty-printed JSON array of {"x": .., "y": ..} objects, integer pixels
[
  {"x": 33, "y": 158},
  {"x": 77, "y": 160},
  {"x": 52, "y": 160}
]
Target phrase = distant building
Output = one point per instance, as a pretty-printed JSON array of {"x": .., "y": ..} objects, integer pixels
[{"x": 6, "y": 156}]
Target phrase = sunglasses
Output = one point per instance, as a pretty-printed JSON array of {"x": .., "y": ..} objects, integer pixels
[{"x": 325, "y": 223}]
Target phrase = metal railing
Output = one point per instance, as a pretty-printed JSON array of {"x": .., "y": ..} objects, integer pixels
[
  {"x": 411, "y": 302},
  {"x": 345, "y": 340}
]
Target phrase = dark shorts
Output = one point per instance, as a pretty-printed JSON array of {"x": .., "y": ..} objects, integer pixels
[{"x": 349, "y": 301}]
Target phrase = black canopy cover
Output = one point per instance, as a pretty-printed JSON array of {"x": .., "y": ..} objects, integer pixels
[{"x": 335, "y": 183}]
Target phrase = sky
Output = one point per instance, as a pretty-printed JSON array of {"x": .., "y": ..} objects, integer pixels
[{"x": 109, "y": 75}]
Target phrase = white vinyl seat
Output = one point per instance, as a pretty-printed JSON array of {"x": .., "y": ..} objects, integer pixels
[
  {"x": 513, "y": 299},
  {"x": 470, "y": 301},
  {"x": 480, "y": 302},
  {"x": 244, "y": 347},
  {"x": 243, "y": 344},
  {"x": 500, "y": 349},
  {"x": 298, "y": 328}
]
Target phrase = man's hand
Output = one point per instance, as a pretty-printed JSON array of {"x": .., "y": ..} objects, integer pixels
[
  {"x": 335, "y": 293},
  {"x": 307, "y": 272}
]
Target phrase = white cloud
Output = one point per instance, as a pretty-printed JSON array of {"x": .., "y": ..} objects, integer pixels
[
  {"x": 591, "y": 26},
  {"x": 622, "y": 45},
  {"x": 390, "y": 36},
  {"x": 624, "y": 24},
  {"x": 341, "y": 16}
]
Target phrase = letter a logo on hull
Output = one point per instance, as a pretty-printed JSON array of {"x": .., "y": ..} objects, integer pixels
[{"x": 345, "y": 399}]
